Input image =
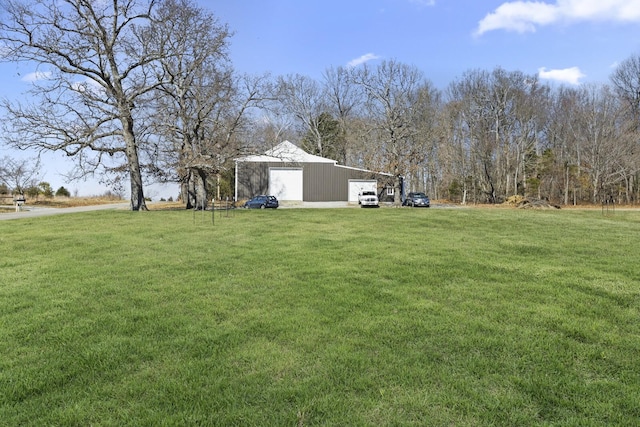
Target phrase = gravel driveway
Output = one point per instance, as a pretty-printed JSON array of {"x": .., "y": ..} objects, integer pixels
[{"x": 34, "y": 212}]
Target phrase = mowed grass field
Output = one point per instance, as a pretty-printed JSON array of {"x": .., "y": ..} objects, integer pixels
[{"x": 307, "y": 317}]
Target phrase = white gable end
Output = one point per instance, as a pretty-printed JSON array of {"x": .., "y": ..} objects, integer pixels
[{"x": 286, "y": 152}]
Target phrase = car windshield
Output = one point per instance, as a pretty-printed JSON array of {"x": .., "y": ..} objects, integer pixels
[
  {"x": 368, "y": 193},
  {"x": 419, "y": 195}
]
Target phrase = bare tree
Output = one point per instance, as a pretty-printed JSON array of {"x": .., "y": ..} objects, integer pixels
[
  {"x": 303, "y": 98},
  {"x": 454, "y": 150},
  {"x": 529, "y": 105},
  {"x": 270, "y": 126},
  {"x": 19, "y": 175},
  {"x": 207, "y": 127},
  {"x": 343, "y": 98},
  {"x": 500, "y": 117},
  {"x": 93, "y": 58},
  {"x": 596, "y": 127},
  {"x": 392, "y": 95},
  {"x": 474, "y": 124},
  {"x": 626, "y": 81},
  {"x": 561, "y": 140},
  {"x": 197, "y": 89},
  {"x": 423, "y": 159}
]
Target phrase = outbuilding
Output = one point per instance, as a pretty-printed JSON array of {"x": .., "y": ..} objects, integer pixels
[{"x": 291, "y": 174}]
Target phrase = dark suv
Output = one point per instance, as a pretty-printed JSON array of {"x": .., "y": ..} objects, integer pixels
[{"x": 417, "y": 199}]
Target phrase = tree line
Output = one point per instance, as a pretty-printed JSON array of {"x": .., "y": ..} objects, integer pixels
[
  {"x": 144, "y": 90},
  {"x": 23, "y": 178},
  {"x": 486, "y": 136}
]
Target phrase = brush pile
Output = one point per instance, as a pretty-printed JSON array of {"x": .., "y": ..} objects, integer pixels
[{"x": 522, "y": 202}]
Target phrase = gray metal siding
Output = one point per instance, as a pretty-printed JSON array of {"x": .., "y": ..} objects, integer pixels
[
  {"x": 253, "y": 179},
  {"x": 322, "y": 182}
]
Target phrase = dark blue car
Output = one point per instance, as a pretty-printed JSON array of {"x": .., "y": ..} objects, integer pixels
[{"x": 261, "y": 202}]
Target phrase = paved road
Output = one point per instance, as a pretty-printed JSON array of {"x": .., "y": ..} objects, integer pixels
[{"x": 34, "y": 212}]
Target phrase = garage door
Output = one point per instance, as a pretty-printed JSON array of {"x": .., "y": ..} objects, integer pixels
[
  {"x": 358, "y": 185},
  {"x": 285, "y": 183}
]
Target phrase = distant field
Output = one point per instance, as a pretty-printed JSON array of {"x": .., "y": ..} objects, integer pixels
[
  {"x": 304, "y": 317},
  {"x": 70, "y": 202}
]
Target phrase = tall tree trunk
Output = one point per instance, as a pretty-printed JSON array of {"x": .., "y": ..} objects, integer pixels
[
  {"x": 135, "y": 174},
  {"x": 566, "y": 183},
  {"x": 397, "y": 183},
  {"x": 191, "y": 199},
  {"x": 187, "y": 191},
  {"x": 492, "y": 192},
  {"x": 200, "y": 178}
]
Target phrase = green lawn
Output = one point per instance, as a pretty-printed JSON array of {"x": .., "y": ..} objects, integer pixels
[{"x": 303, "y": 317}]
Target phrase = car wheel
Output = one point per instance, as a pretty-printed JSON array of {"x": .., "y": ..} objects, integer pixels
[{"x": 262, "y": 206}]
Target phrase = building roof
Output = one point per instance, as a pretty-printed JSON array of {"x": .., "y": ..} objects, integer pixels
[{"x": 286, "y": 152}]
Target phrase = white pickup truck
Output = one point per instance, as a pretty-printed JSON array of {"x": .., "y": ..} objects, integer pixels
[{"x": 368, "y": 198}]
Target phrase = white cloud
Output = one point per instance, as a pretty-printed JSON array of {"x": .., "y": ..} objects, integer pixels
[
  {"x": 87, "y": 85},
  {"x": 423, "y": 2},
  {"x": 526, "y": 16},
  {"x": 567, "y": 75},
  {"x": 361, "y": 60},
  {"x": 36, "y": 76},
  {"x": 4, "y": 51}
]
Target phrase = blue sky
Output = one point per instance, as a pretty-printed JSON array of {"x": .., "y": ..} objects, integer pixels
[
  {"x": 567, "y": 41},
  {"x": 570, "y": 42}
]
